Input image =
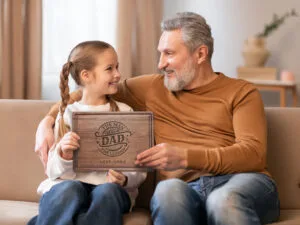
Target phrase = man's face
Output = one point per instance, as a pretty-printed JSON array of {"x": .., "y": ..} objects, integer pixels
[{"x": 175, "y": 61}]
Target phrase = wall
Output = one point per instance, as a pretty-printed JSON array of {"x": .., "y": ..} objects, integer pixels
[{"x": 232, "y": 21}]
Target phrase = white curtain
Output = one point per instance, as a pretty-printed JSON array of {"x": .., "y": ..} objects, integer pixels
[
  {"x": 65, "y": 24},
  {"x": 131, "y": 26}
]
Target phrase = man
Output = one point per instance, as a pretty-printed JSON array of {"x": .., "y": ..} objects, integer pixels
[{"x": 210, "y": 132}]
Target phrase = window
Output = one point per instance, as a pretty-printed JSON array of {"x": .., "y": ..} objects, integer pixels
[{"x": 65, "y": 24}]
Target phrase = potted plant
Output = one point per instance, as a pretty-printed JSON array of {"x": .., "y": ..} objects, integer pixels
[{"x": 254, "y": 52}]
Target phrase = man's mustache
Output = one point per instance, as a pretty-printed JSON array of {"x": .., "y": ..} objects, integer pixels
[{"x": 166, "y": 71}]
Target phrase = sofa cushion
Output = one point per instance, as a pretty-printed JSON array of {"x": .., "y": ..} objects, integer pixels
[
  {"x": 289, "y": 217},
  {"x": 137, "y": 217},
  {"x": 283, "y": 154},
  {"x": 19, "y": 213},
  {"x": 20, "y": 169}
]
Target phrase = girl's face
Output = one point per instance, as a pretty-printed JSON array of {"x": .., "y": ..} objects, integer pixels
[{"x": 105, "y": 76}]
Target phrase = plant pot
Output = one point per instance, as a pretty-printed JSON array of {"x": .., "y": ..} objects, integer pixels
[{"x": 254, "y": 52}]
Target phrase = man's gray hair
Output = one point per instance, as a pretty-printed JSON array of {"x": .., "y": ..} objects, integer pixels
[{"x": 195, "y": 30}]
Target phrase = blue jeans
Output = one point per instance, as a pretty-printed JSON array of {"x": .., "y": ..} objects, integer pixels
[
  {"x": 236, "y": 199},
  {"x": 74, "y": 202}
]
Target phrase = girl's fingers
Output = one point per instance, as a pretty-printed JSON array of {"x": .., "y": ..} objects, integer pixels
[
  {"x": 71, "y": 143},
  {"x": 71, "y": 135},
  {"x": 69, "y": 138},
  {"x": 68, "y": 147},
  {"x": 116, "y": 177}
]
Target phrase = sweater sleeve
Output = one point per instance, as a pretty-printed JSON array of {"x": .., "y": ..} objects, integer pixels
[
  {"x": 57, "y": 167},
  {"x": 248, "y": 153},
  {"x": 133, "y": 91}
]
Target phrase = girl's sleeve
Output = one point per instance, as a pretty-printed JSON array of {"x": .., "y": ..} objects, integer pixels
[
  {"x": 57, "y": 167},
  {"x": 135, "y": 179}
]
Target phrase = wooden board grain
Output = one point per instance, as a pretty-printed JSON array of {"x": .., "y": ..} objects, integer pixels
[{"x": 111, "y": 140}]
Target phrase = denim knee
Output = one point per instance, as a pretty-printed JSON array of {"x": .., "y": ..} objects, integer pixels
[
  {"x": 225, "y": 206},
  {"x": 166, "y": 190},
  {"x": 174, "y": 195},
  {"x": 220, "y": 203},
  {"x": 174, "y": 202},
  {"x": 110, "y": 193},
  {"x": 62, "y": 203},
  {"x": 114, "y": 197},
  {"x": 109, "y": 190},
  {"x": 68, "y": 186},
  {"x": 66, "y": 190}
]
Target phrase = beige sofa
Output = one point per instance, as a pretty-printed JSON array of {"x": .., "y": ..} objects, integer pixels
[{"x": 21, "y": 170}]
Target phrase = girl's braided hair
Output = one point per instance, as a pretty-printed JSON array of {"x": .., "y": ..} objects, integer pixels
[{"x": 82, "y": 57}]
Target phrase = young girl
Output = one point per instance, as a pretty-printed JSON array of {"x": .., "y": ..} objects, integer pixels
[{"x": 87, "y": 197}]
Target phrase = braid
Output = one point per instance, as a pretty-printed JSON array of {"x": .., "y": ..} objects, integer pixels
[
  {"x": 113, "y": 105},
  {"x": 65, "y": 96}
]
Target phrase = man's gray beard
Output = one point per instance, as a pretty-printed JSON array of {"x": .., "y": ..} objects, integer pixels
[{"x": 180, "y": 81}]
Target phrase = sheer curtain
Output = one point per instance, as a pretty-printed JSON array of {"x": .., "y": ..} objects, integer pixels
[
  {"x": 131, "y": 26},
  {"x": 20, "y": 48},
  {"x": 65, "y": 24},
  {"x": 138, "y": 32}
]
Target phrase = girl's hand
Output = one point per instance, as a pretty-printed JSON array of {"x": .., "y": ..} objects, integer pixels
[
  {"x": 116, "y": 177},
  {"x": 68, "y": 144}
]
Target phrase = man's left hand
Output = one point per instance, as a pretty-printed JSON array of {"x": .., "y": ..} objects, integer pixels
[{"x": 163, "y": 156}]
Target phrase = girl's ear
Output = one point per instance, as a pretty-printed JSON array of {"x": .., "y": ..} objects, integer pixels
[{"x": 85, "y": 76}]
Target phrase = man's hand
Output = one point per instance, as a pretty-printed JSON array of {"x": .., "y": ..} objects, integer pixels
[
  {"x": 68, "y": 144},
  {"x": 44, "y": 139},
  {"x": 116, "y": 177},
  {"x": 163, "y": 156}
]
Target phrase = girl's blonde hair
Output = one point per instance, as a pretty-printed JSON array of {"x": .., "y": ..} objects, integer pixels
[{"x": 82, "y": 57}]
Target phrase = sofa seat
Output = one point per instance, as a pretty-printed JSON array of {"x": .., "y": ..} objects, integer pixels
[
  {"x": 19, "y": 213},
  {"x": 289, "y": 217}
]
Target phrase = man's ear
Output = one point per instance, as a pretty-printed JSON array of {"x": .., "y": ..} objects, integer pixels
[{"x": 201, "y": 53}]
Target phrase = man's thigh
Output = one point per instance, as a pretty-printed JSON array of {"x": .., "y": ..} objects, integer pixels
[
  {"x": 175, "y": 202},
  {"x": 252, "y": 191},
  {"x": 206, "y": 184},
  {"x": 254, "y": 186}
]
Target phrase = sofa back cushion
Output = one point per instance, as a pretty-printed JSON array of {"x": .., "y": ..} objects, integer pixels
[
  {"x": 20, "y": 169},
  {"x": 284, "y": 153}
]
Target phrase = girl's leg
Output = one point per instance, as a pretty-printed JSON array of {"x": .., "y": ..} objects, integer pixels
[
  {"x": 108, "y": 204},
  {"x": 61, "y": 204}
]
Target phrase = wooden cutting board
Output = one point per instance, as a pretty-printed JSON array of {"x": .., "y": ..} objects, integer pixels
[{"x": 111, "y": 140}]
